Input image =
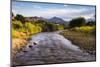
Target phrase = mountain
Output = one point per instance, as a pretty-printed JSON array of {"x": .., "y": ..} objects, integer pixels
[
  {"x": 56, "y": 20},
  {"x": 53, "y": 19},
  {"x": 35, "y": 18}
]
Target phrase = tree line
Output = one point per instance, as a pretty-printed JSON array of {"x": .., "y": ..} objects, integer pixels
[{"x": 19, "y": 24}]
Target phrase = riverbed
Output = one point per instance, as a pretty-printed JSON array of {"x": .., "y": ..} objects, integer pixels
[{"x": 51, "y": 47}]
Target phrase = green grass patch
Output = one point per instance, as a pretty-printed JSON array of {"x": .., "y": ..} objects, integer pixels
[{"x": 86, "y": 29}]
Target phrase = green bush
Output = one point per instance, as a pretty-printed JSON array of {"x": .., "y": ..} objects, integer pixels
[
  {"x": 20, "y": 18},
  {"x": 32, "y": 28},
  {"x": 60, "y": 27},
  {"x": 29, "y": 28},
  {"x": 77, "y": 22},
  {"x": 17, "y": 24},
  {"x": 15, "y": 33},
  {"x": 86, "y": 29}
]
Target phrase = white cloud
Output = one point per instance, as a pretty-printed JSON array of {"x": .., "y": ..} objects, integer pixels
[
  {"x": 54, "y": 12},
  {"x": 65, "y": 5},
  {"x": 64, "y": 13},
  {"x": 88, "y": 16}
]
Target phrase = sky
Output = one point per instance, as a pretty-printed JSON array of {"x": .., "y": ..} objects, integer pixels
[{"x": 49, "y": 10}]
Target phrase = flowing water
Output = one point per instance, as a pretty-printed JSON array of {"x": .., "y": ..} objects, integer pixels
[{"x": 50, "y": 47}]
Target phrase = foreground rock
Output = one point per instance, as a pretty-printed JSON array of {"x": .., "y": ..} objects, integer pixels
[{"x": 47, "y": 48}]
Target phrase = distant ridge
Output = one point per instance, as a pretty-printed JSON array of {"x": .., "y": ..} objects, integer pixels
[
  {"x": 56, "y": 20},
  {"x": 53, "y": 19}
]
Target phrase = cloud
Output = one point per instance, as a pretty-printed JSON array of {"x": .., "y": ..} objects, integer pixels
[
  {"x": 63, "y": 13},
  {"x": 65, "y": 5},
  {"x": 66, "y": 12}
]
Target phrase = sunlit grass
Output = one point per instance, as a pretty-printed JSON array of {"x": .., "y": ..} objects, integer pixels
[
  {"x": 87, "y": 29},
  {"x": 85, "y": 41}
]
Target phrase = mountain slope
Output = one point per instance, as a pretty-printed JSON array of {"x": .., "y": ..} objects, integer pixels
[{"x": 56, "y": 20}]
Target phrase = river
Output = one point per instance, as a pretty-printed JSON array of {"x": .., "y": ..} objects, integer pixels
[{"x": 51, "y": 47}]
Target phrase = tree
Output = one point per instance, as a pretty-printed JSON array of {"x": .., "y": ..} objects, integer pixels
[
  {"x": 30, "y": 27},
  {"x": 12, "y": 14},
  {"x": 47, "y": 27},
  {"x": 20, "y": 18},
  {"x": 77, "y": 22},
  {"x": 90, "y": 23},
  {"x": 17, "y": 24}
]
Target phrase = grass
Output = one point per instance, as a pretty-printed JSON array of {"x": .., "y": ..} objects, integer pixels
[
  {"x": 85, "y": 41},
  {"x": 85, "y": 29}
]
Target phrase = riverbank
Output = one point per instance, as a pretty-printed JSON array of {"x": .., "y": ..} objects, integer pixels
[
  {"x": 20, "y": 39},
  {"x": 85, "y": 41},
  {"x": 17, "y": 45}
]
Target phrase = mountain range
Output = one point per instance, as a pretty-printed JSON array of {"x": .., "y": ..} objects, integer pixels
[
  {"x": 53, "y": 19},
  {"x": 56, "y": 20}
]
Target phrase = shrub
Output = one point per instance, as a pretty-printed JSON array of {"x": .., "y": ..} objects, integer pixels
[
  {"x": 15, "y": 34},
  {"x": 29, "y": 27},
  {"x": 77, "y": 22},
  {"x": 60, "y": 27},
  {"x": 91, "y": 23},
  {"x": 86, "y": 29},
  {"x": 17, "y": 24},
  {"x": 20, "y": 18},
  {"x": 32, "y": 28}
]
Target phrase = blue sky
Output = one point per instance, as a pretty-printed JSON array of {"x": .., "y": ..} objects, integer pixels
[{"x": 64, "y": 11}]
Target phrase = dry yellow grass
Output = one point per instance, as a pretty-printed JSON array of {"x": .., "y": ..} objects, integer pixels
[
  {"x": 83, "y": 40},
  {"x": 17, "y": 44}
]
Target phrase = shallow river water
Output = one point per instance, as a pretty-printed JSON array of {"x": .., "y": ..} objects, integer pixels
[{"x": 45, "y": 48}]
